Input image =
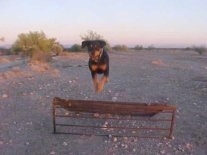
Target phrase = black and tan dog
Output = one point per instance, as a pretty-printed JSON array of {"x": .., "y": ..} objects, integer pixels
[{"x": 98, "y": 62}]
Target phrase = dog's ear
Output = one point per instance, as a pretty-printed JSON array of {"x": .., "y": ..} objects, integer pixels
[
  {"x": 85, "y": 43},
  {"x": 102, "y": 43}
]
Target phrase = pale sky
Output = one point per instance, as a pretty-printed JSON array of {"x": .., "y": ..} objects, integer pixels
[{"x": 162, "y": 23}]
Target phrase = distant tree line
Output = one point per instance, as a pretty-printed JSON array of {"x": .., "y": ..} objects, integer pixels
[{"x": 39, "y": 47}]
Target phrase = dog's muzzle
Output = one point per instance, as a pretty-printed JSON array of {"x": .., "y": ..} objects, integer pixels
[{"x": 96, "y": 57}]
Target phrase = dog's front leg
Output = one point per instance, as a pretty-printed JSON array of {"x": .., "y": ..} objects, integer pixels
[
  {"x": 102, "y": 83},
  {"x": 95, "y": 80}
]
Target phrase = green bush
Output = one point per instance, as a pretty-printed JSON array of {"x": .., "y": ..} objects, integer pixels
[{"x": 36, "y": 45}]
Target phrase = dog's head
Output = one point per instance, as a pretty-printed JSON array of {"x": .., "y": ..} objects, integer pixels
[{"x": 95, "y": 48}]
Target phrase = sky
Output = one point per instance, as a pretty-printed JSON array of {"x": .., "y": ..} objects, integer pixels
[{"x": 161, "y": 23}]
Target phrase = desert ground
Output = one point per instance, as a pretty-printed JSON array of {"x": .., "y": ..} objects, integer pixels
[{"x": 175, "y": 77}]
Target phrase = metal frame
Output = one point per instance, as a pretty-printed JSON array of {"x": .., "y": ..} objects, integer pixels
[{"x": 152, "y": 115}]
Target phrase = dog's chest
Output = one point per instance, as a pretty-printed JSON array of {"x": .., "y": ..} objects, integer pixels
[{"x": 97, "y": 67}]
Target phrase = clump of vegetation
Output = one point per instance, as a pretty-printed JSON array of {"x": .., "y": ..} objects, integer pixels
[
  {"x": 138, "y": 47},
  {"x": 76, "y": 48},
  {"x": 199, "y": 49},
  {"x": 151, "y": 47},
  {"x": 37, "y": 46},
  {"x": 91, "y": 35},
  {"x": 120, "y": 48}
]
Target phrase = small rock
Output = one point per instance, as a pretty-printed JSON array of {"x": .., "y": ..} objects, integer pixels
[
  {"x": 189, "y": 146},
  {"x": 52, "y": 153},
  {"x": 133, "y": 132},
  {"x": 5, "y": 96},
  {"x": 110, "y": 136},
  {"x": 125, "y": 138},
  {"x": 134, "y": 150},
  {"x": 195, "y": 103},
  {"x": 96, "y": 115},
  {"x": 114, "y": 98},
  {"x": 159, "y": 144},
  {"x": 66, "y": 113},
  {"x": 162, "y": 152},
  {"x": 27, "y": 143},
  {"x": 65, "y": 143},
  {"x": 114, "y": 139}
]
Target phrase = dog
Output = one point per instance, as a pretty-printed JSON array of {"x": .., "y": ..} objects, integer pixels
[{"x": 98, "y": 62}]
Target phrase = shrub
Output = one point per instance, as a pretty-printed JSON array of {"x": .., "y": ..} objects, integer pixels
[
  {"x": 120, "y": 48},
  {"x": 150, "y": 47},
  {"x": 138, "y": 47},
  {"x": 57, "y": 49},
  {"x": 199, "y": 49},
  {"x": 76, "y": 48},
  {"x": 36, "y": 45}
]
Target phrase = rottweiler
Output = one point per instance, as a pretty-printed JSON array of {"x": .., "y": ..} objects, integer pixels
[{"x": 98, "y": 62}]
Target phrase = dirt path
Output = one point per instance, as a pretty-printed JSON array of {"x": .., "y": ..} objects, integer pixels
[{"x": 176, "y": 77}]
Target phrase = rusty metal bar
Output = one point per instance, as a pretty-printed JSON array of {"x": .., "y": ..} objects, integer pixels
[
  {"x": 114, "y": 127},
  {"x": 172, "y": 125},
  {"x": 54, "y": 117},
  {"x": 119, "y": 109},
  {"x": 115, "y": 118}
]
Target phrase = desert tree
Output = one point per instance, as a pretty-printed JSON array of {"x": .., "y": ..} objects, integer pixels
[
  {"x": 92, "y": 35},
  {"x": 35, "y": 45}
]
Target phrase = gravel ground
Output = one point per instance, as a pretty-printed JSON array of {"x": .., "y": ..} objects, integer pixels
[{"x": 173, "y": 76}]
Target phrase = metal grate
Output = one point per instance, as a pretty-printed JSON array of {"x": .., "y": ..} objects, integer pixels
[{"x": 103, "y": 118}]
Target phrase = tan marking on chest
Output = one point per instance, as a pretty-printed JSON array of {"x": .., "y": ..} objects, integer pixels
[{"x": 95, "y": 67}]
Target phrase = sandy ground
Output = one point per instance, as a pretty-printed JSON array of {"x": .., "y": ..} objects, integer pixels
[{"x": 175, "y": 77}]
